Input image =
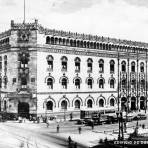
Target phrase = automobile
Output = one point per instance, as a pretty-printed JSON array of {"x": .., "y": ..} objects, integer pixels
[
  {"x": 112, "y": 119},
  {"x": 96, "y": 120},
  {"x": 142, "y": 116},
  {"x": 128, "y": 118},
  {"x": 103, "y": 119},
  {"x": 88, "y": 121},
  {"x": 80, "y": 121}
]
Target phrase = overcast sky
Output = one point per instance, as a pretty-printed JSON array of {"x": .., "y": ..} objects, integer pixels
[{"x": 124, "y": 19}]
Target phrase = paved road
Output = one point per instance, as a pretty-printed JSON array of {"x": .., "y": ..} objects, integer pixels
[
  {"x": 32, "y": 135},
  {"x": 35, "y": 135}
]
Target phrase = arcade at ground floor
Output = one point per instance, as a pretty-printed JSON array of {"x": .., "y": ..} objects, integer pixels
[{"x": 65, "y": 106}]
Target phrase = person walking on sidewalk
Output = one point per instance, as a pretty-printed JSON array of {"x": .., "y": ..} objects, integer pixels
[
  {"x": 58, "y": 127},
  {"x": 75, "y": 145},
  {"x": 69, "y": 141},
  {"x": 79, "y": 129},
  {"x": 92, "y": 125},
  {"x": 47, "y": 122}
]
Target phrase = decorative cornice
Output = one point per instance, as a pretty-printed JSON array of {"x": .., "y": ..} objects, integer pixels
[
  {"x": 80, "y": 51},
  {"x": 88, "y": 92}
]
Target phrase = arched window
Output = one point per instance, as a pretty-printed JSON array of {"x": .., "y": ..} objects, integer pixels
[
  {"x": 133, "y": 67},
  {"x": 64, "y": 83},
  {"x": 64, "y": 105},
  {"x": 87, "y": 44},
  {"x": 101, "y": 103},
  {"x": 77, "y": 64},
  {"x": 112, "y": 102},
  {"x": 112, "y": 83},
  {"x": 77, "y": 83},
  {"x": 89, "y": 64},
  {"x": 112, "y": 66},
  {"x": 5, "y": 63},
  {"x": 89, "y": 83},
  {"x": 5, "y": 105},
  {"x": 47, "y": 40},
  {"x": 49, "y": 105},
  {"x": 89, "y": 103},
  {"x": 52, "y": 40},
  {"x": 101, "y": 65},
  {"x": 0, "y": 63},
  {"x": 84, "y": 44},
  {"x": 101, "y": 83},
  {"x": 0, "y": 82},
  {"x": 50, "y": 83},
  {"x": 50, "y": 61},
  {"x": 5, "y": 81},
  {"x": 64, "y": 63},
  {"x": 77, "y": 104},
  {"x": 141, "y": 67},
  {"x": 123, "y": 66}
]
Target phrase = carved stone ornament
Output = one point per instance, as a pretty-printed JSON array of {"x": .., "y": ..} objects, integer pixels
[{"x": 23, "y": 35}]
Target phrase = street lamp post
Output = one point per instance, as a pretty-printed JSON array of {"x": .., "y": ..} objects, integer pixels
[{"x": 120, "y": 119}]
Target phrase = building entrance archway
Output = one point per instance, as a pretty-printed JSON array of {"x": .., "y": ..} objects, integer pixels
[{"x": 23, "y": 109}]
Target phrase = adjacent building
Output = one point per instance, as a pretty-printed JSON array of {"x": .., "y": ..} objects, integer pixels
[{"x": 46, "y": 72}]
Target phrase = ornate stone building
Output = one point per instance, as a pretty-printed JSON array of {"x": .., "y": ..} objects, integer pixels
[{"x": 49, "y": 72}]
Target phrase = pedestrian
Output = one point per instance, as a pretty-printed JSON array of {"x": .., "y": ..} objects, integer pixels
[
  {"x": 38, "y": 120},
  {"x": 71, "y": 116},
  {"x": 124, "y": 127},
  {"x": 58, "y": 127},
  {"x": 47, "y": 123},
  {"x": 69, "y": 141},
  {"x": 92, "y": 125},
  {"x": 75, "y": 145},
  {"x": 79, "y": 129}
]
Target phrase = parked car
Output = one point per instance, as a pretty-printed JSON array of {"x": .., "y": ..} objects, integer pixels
[
  {"x": 96, "y": 120},
  {"x": 128, "y": 118},
  {"x": 112, "y": 119},
  {"x": 103, "y": 119},
  {"x": 88, "y": 121},
  {"x": 142, "y": 116},
  {"x": 80, "y": 121}
]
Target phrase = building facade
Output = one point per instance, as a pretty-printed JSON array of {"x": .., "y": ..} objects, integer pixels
[{"x": 48, "y": 72}]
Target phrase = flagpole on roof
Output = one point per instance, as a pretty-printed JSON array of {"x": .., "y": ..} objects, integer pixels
[{"x": 24, "y": 11}]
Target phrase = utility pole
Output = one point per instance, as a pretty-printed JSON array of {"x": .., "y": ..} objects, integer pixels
[
  {"x": 137, "y": 84},
  {"x": 146, "y": 84}
]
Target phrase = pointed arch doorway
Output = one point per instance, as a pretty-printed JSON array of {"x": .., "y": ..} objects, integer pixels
[{"x": 23, "y": 109}]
